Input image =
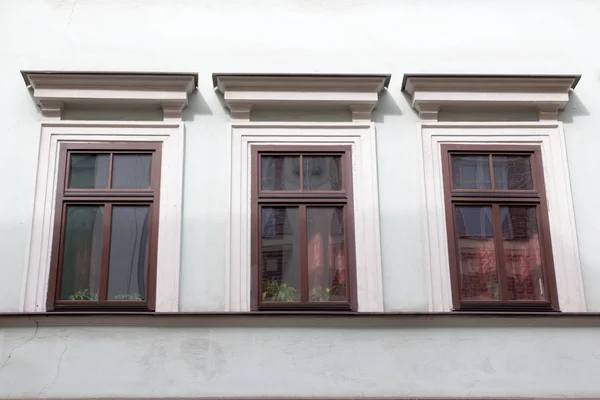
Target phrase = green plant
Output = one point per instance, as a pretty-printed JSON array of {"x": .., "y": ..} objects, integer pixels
[
  {"x": 128, "y": 296},
  {"x": 326, "y": 294},
  {"x": 274, "y": 291},
  {"x": 83, "y": 295}
]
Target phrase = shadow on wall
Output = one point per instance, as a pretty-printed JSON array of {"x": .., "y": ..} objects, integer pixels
[
  {"x": 575, "y": 108},
  {"x": 386, "y": 106},
  {"x": 196, "y": 106}
]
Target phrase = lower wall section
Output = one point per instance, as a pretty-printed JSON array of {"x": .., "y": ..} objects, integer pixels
[{"x": 304, "y": 361}]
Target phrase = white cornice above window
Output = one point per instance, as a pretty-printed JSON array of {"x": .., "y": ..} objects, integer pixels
[
  {"x": 546, "y": 93},
  {"x": 54, "y": 91},
  {"x": 245, "y": 92}
]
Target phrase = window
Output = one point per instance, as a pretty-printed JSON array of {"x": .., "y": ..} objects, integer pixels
[
  {"x": 104, "y": 252},
  {"x": 498, "y": 232},
  {"x": 302, "y": 224}
]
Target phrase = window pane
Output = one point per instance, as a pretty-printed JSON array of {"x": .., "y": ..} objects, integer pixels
[
  {"x": 322, "y": 173},
  {"x": 326, "y": 254},
  {"x": 522, "y": 255},
  {"x": 89, "y": 171},
  {"x": 131, "y": 171},
  {"x": 128, "y": 253},
  {"x": 512, "y": 172},
  {"x": 82, "y": 253},
  {"x": 476, "y": 253},
  {"x": 471, "y": 172},
  {"x": 280, "y": 172},
  {"x": 280, "y": 254}
]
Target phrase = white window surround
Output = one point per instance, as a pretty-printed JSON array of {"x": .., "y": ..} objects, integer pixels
[
  {"x": 55, "y": 91},
  {"x": 361, "y": 136},
  {"x": 547, "y": 94},
  {"x": 550, "y": 137},
  {"x": 37, "y": 262},
  {"x": 356, "y": 93}
]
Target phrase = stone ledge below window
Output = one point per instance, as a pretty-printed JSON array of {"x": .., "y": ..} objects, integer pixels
[{"x": 303, "y": 319}]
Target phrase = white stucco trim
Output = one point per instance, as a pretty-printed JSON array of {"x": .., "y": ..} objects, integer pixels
[
  {"x": 356, "y": 93},
  {"x": 55, "y": 90},
  {"x": 361, "y": 136},
  {"x": 546, "y": 93},
  {"x": 550, "y": 137},
  {"x": 37, "y": 259}
]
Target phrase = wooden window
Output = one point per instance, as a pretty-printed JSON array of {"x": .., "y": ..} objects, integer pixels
[
  {"x": 302, "y": 228},
  {"x": 498, "y": 232},
  {"x": 106, "y": 227}
]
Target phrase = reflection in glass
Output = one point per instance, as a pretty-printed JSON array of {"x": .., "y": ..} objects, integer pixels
[
  {"x": 280, "y": 255},
  {"x": 131, "y": 171},
  {"x": 471, "y": 172},
  {"x": 280, "y": 172},
  {"x": 476, "y": 253},
  {"x": 322, "y": 172},
  {"x": 88, "y": 171},
  {"x": 128, "y": 253},
  {"x": 82, "y": 253},
  {"x": 512, "y": 172},
  {"x": 326, "y": 254},
  {"x": 522, "y": 255}
]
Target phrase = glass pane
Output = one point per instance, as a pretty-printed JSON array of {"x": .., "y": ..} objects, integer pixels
[
  {"x": 82, "y": 253},
  {"x": 322, "y": 172},
  {"x": 522, "y": 255},
  {"x": 512, "y": 172},
  {"x": 280, "y": 172},
  {"x": 476, "y": 253},
  {"x": 326, "y": 254},
  {"x": 471, "y": 172},
  {"x": 128, "y": 253},
  {"x": 280, "y": 254},
  {"x": 131, "y": 171},
  {"x": 89, "y": 171}
]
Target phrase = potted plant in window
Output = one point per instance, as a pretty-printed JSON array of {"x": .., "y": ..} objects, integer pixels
[{"x": 275, "y": 291}]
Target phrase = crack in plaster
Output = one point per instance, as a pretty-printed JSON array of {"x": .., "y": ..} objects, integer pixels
[
  {"x": 71, "y": 15},
  {"x": 57, "y": 371},
  {"x": 34, "y": 336}
]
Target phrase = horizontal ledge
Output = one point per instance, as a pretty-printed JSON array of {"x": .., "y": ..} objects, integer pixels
[
  {"x": 303, "y": 319},
  {"x": 242, "y": 76},
  {"x": 26, "y": 73}
]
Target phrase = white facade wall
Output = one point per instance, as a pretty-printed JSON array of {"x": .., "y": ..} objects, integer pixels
[{"x": 297, "y": 36}]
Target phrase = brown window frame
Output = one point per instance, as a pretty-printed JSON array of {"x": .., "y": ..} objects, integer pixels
[
  {"x": 105, "y": 197},
  {"x": 496, "y": 198},
  {"x": 301, "y": 199}
]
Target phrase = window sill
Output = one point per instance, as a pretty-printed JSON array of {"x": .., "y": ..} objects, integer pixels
[{"x": 303, "y": 318}]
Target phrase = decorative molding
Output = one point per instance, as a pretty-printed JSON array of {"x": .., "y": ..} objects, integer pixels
[
  {"x": 550, "y": 137},
  {"x": 361, "y": 136},
  {"x": 546, "y": 93},
  {"x": 38, "y": 251},
  {"x": 54, "y": 91},
  {"x": 356, "y": 93}
]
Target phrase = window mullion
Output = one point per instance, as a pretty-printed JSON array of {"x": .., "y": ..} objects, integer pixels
[
  {"x": 110, "y": 169},
  {"x": 302, "y": 223},
  {"x": 105, "y": 260},
  {"x": 500, "y": 264}
]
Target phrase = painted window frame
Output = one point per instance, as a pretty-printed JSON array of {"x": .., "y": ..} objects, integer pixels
[
  {"x": 360, "y": 136},
  {"x": 170, "y": 134},
  {"x": 549, "y": 136},
  {"x": 302, "y": 199},
  {"x": 495, "y": 198},
  {"x": 107, "y": 198}
]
